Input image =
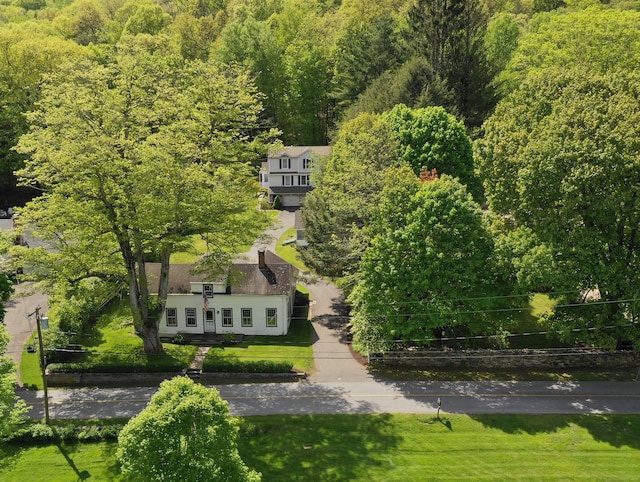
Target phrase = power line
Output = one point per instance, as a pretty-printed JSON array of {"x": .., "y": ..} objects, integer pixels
[
  {"x": 492, "y": 297},
  {"x": 514, "y": 335},
  {"x": 502, "y": 310}
]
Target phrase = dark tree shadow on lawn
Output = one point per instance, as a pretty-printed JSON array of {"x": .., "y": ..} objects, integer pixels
[
  {"x": 112, "y": 465},
  {"x": 82, "y": 475},
  {"x": 616, "y": 430},
  {"x": 333, "y": 447}
]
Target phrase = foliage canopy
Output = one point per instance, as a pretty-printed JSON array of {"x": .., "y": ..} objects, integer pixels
[{"x": 184, "y": 433}]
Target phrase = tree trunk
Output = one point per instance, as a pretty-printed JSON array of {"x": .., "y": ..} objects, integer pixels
[
  {"x": 163, "y": 282},
  {"x": 146, "y": 326},
  {"x": 150, "y": 338}
]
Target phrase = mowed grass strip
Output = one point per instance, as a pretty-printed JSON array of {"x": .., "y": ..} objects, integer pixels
[
  {"x": 60, "y": 463},
  {"x": 388, "y": 447}
]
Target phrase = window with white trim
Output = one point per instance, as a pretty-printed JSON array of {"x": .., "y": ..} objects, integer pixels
[
  {"x": 285, "y": 163},
  {"x": 227, "y": 317},
  {"x": 287, "y": 180},
  {"x": 172, "y": 317},
  {"x": 208, "y": 290},
  {"x": 247, "y": 317},
  {"x": 306, "y": 164},
  {"x": 191, "y": 316},
  {"x": 303, "y": 180},
  {"x": 272, "y": 317}
]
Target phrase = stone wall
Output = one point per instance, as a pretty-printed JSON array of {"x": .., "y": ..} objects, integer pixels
[{"x": 527, "y": 359}]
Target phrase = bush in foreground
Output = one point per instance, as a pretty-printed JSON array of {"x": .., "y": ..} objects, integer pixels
[{"x": 184, "y": 433}]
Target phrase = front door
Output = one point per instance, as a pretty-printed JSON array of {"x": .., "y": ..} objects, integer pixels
[{"x": 209, "y": 321}]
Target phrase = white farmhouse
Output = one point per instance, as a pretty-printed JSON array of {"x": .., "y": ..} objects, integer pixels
[
  {"x": 287, "y": 173},
  {"x": 251, "y": 299}
]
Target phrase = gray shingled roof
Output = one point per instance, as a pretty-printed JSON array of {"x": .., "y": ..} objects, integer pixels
[
  {"x": 295, "y": 151},
  {"x": 244, "y": 278}
]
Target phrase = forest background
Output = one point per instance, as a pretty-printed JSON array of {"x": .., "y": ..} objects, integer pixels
[{"x": 518, "y": 76}]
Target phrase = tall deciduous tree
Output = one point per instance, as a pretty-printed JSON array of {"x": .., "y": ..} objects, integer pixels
[
  {"x": 423, "y": 270},
  {"x": 136, "y": 157},
  {"x": 430, "y": 138},
  {"x": 349, "y": 185},
  {"x": 501, "y": 40},
  {"x": 27, "y": 54},
  {"x": 254, "y": 45},
  {"x": 561, "y": 156},
  {"x": 575, "y": 38},
  {"x": 307, "y": 65},
  {"x": 184, "y": 433}
]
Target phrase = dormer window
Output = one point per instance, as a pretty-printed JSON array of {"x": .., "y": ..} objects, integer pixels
[{"x": 207, "y": 290}]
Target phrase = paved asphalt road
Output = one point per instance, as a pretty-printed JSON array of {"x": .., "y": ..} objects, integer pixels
[{"x": 365, "y": 397}]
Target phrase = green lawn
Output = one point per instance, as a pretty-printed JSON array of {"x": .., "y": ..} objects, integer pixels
[
  {"x": 114, "y": 347},
  {"x": 30, "y": 373},
  {"x": 295, "y": 347},
  {"x": 60, "y": 463},
  {"x": 388, "y": 447},
  {"x": 289, "y": 252}
]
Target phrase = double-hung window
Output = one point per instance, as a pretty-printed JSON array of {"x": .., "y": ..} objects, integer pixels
[
  {"x": 306, "y": 164},
  {"x": 272, "y": 317},
  {"x": 172, "y": 317},
  {"x": 287, "y": 180},
  {"x": 227, "y": 317},
  {"x": 207, "y": 290},
  {"x": 303, "y": 180},
  {"x": 191, "y": 316},
  {"x": 247, "y": 318},
  {"x": 285, "y": 163}
]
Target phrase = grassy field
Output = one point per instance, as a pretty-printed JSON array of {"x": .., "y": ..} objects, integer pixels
[{"x": 388, "y": 447}]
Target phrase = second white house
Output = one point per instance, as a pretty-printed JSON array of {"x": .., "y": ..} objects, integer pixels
[{"x": 287, "y": 173}]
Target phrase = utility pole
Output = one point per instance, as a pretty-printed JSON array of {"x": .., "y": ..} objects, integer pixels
[{"x": 43, "y": 366}]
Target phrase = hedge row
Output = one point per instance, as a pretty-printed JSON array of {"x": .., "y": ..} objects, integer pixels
[
  {"x": 213, "y": 365},
  {"x": 35, "y": 432},
  {"x": 116, "y": 366}
]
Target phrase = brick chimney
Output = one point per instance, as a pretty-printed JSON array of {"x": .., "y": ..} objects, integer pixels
[{"x": 261, "y": 262}]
